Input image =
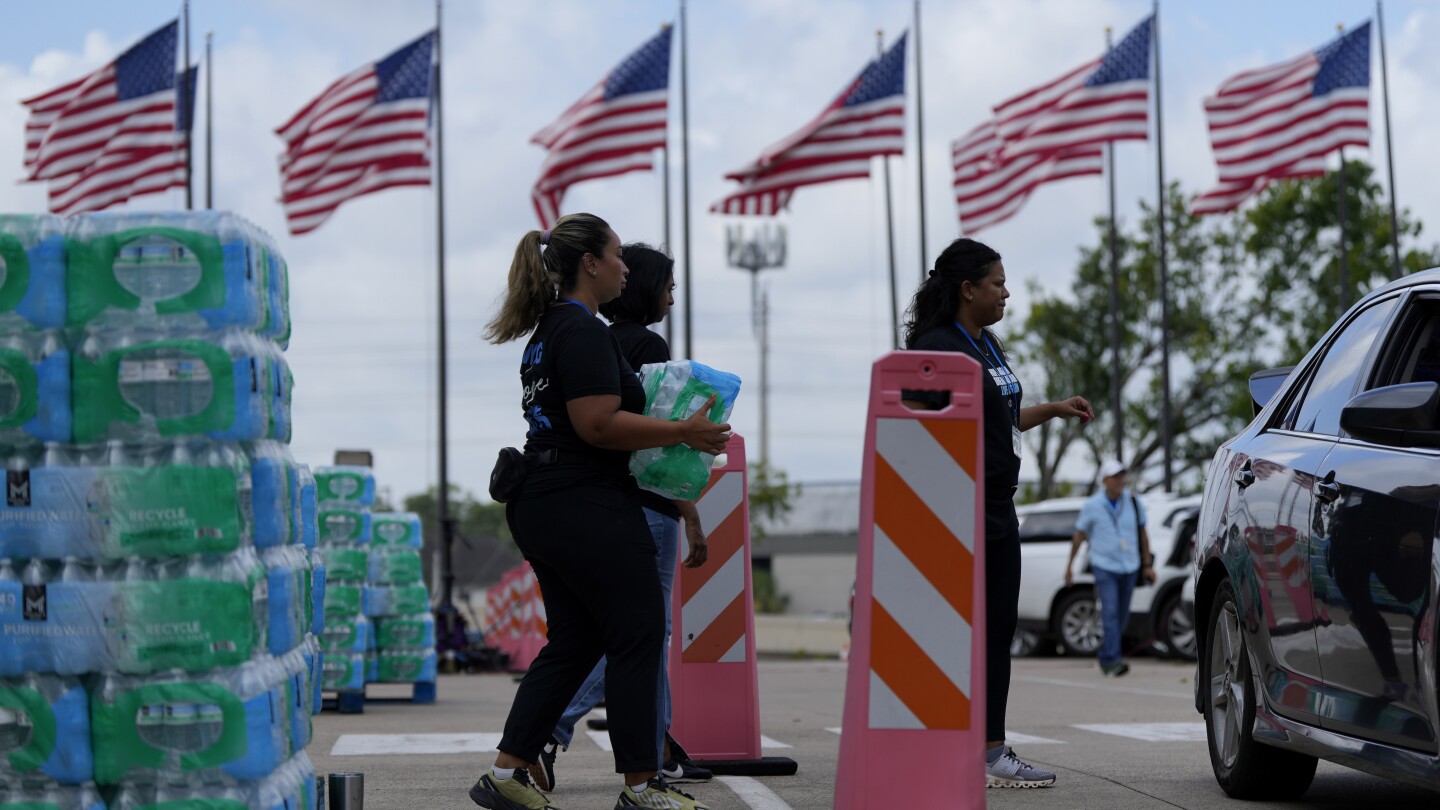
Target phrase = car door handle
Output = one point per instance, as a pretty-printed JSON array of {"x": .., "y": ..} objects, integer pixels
[
  {"x": 1327, "y": 491},
  {"x": 1244, "y": 476}
]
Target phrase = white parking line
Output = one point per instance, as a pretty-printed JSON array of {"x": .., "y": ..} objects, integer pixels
[
  {"x": 1105, "y": 687},
  {"x": 754, "y": 794},
  {"x": 1150, "y": 732},
  {"x": 1010, "y": 737},
  {"x": 602, "y": 739},
  {"x": 363, "y": 745}
]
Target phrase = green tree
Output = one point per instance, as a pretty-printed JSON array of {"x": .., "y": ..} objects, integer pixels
[
  {"x": 1066, "y": 341},
  {"x": 1247, "y": 291},
  {"x": 1292, "y": 236},
  {"x": 483, "y": 547},
  {"x": 771, "y": 497}
]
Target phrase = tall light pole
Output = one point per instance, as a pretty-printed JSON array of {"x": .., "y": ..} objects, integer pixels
[{"x": 763, "y": 250}]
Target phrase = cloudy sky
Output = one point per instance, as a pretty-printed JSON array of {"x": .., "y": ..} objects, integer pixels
[{"x": 364, "y": 284}]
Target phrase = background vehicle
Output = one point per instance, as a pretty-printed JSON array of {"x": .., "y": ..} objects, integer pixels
[
  {"x": 1316, "y": 564},
  {"x": 1054, "y": 614}
]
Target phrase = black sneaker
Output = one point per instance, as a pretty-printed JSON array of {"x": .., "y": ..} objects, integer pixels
[
  {"x": 515, "y": 793},
  {"x": 1114, "y": 670},
  {"x": 542, "y": 773},
  {"x": 677, "y": 771}
]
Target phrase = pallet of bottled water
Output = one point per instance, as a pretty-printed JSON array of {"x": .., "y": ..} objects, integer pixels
[
  {"x": 161, "y": 602},
  {"x": 344, "y": 496}
]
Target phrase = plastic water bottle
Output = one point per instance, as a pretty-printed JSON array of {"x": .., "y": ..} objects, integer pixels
[{"x": 37, "y": 241}]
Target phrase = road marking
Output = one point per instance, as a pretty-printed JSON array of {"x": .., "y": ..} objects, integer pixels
[
  {"x": 364, "y": 745},
  {"x": 1150, "y": 732},
  {"x": 754, "y": 794},
  {"x": 602, "y": 739},
  {"x": 1025, "y": 739},
  {"x": 1010, "y": 737},
  {"x": 1105, "y": 687}
]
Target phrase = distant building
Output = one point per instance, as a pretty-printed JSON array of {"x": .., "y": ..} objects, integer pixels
[{"x": 811, "y": 553}]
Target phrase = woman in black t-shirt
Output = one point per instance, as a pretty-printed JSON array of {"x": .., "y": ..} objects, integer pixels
[
  {"x": 964, "y": 294},
  {"x": 578, "y": 520},
  {"x": 646, "y": 300}
]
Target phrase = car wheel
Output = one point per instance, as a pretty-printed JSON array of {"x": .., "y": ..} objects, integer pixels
[
  {"x": 1024, "y": 643},
  {"x": 1175, "y": 627},
  {"x": 1245, "y": 768},
  {"x": 1077, "y": 622}
]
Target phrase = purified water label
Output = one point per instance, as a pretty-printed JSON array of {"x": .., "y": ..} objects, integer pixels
[
  {"x": 173, "y": 510},
  {"x": 190, "y": 624}
]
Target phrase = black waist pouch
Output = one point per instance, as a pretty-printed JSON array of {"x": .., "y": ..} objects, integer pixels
[{"x": 508, "y": 477}]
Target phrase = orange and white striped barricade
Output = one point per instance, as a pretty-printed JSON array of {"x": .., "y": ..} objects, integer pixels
[
  {"x": 914, "y": 729},
  {"x": 714, "y": 680},
  {"x": 529, "y": 621}
]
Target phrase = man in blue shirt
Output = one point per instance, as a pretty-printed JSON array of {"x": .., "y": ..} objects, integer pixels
[{"x": 1113, "y": 521}]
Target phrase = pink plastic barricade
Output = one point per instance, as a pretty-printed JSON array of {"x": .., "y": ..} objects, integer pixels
[
  {"x": 714, "y": 681},
  {"x": 529, "y": 621},
  {"x": 915, "y": 693}
]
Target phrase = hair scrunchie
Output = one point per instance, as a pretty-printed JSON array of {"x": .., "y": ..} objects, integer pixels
[{"x": 545, "y": 237}]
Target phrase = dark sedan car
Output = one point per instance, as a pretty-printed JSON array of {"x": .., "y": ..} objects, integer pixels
[{"x": 1316, "y": 562}]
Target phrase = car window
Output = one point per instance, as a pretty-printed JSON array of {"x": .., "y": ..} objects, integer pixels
[
  {"x": 1416, "y": 354},
  {"x": 1048, "y": 527},
  {"x": 1337, "y": 373}
]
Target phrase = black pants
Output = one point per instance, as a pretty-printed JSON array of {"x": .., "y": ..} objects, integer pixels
[
  {"x": 1002, "y": 609},
  {"x": 595, "y": 560}
]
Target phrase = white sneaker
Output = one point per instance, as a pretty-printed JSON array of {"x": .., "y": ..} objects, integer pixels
[{"x": 1007, "y": 771}]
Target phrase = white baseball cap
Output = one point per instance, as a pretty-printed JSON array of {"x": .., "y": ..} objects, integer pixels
[{"x": 1111, "y": 467}]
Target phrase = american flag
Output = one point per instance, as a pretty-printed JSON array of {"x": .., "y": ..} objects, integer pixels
[
  {"x": 1282, "y": 120},
  {"x": 866, "y": 120},
  {"x": 114, "y": 134},
  {"x": 369, "y": 130},
  {"x": 613, "y": 129},
  {"x": 1052, "y": 132}
]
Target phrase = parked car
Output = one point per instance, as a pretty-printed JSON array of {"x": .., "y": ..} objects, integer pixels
[
  {"x": 1052, "y": 613},
  {"x": 1316, "y": 568}
]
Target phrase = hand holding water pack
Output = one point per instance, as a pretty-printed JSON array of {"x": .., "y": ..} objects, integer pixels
[{"x": 675, "y": 391}]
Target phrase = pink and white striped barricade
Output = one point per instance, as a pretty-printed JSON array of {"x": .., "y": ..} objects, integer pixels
[
  {"x": 528, "y": 621},
  {"x": 914, "y": 729},
  {"x": 714, "y": 681}
]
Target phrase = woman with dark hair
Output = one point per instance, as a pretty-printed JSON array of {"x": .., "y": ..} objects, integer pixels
[
  {"x": 578, "y": 518},
  {"x": 964, "y": 295},
  {"x": 646, "y": 300}
]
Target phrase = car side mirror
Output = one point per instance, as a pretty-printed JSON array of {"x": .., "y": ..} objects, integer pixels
[{"x": 1397, "y": 415}]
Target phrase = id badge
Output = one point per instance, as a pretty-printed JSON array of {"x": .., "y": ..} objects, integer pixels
[{"x": 1015, "y": 439}]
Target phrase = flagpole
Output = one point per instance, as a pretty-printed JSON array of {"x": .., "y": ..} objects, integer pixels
[
  {"x": 447, "y": 526},
  {"x": 919, "y": 140},
  {"x": 1117, "y": 406},
  {"x": 890, "y": 224},
  {"x": 1396, "y": 271},
  {"x": 187, "y": 115},
  {"x": 1344, "y": 249},
  {"x": 209, "y": 125},
  {"x": 685, "y": 179},
  {"x": 665, "y": 202},
  {"x": 1165, "y": 412}
]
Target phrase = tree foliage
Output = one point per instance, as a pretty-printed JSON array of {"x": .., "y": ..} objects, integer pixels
[
  {"x": 1247, "y": 291},
  {"x": 483, "y": 548}
]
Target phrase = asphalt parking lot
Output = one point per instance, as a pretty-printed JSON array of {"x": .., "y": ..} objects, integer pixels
[{"x": 1117, "y": 744}]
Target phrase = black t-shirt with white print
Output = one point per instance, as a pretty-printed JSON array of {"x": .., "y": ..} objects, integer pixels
[
  {"x": 573, "y": 354},
  {"x": 1002, "y": 466}
]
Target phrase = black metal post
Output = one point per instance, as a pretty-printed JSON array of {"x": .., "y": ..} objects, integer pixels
[
  {"x": 1117, "y": 404},
  {"x": 188, "y": 114},
  {"x": 688, "y": 288},
  {"x": 1396, "y": 270},
  {"x": 1166, "y": 424},
  {"x": 209, "y": 125},
  {"x": 919, "y": 140},
  {"x": 1344, "y": 302},
  {"x": 447, "y": 525},
  {"x": 890, "y": 226}
]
